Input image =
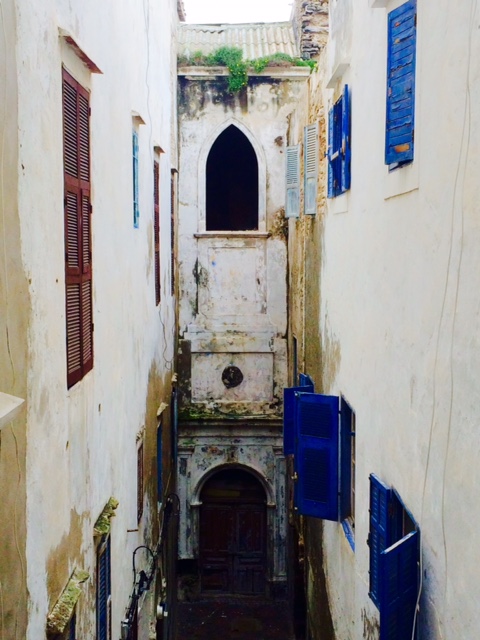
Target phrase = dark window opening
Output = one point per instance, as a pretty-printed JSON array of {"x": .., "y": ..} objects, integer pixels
[{"x": 232, "y": 183}]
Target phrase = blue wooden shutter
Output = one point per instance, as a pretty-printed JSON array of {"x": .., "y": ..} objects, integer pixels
[
  {"x": 316, "y": 456},
  {"x": 330, "y": 193},
  {"x": 305, "y": 380},
  {"x": 345, "y": 459},
  {"x": 379, "y": 536},
  {"x": 402, "y": 28},
  {"x": 292, "y": 180},
  {"x": 103, "y": 590},
  {"x": 136, "y": 211},
  {"x": 289, "y": 417},
  {"x": 399, "y": 583},
  {"x": 346, "y": 132},
  {"x": 311, "y": 168}
]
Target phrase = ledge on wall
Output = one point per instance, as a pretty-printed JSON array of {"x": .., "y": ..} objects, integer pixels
[
  {"x": 9, "y": 408},
  {"x": 62, "y": 612}
]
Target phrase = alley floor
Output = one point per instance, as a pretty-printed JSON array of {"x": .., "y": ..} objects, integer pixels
[{"x": 234, "y": 618}]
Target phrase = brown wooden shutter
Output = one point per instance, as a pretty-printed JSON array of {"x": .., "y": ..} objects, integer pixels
[
  {"x": 172, "y": 231},
  {"x": 78, "y": 251},
  {"x": 156, "y": 196}
]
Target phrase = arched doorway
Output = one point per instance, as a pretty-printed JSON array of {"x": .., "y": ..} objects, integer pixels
[
  {"x": 232, "y": 183},
  {"x": 233, "y": 534}
]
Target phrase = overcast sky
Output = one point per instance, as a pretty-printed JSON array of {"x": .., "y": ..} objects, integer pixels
[{"x": 214, "y": 11}]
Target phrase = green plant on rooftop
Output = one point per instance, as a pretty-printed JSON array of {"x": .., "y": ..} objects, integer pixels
[{"x": 232, "y": 58}]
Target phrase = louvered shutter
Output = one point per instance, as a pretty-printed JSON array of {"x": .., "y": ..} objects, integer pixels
[
  {"x": 316, "y": 455},
  {"x": 346, "y": 134},
  {"x": 380, "y": 536},
  {"x": 72, "y": 628},
  {"x": 289, "y": 416},
  {"x": 311, "y": 168},
  {"x": 399, "y": 584},
  {"x": 345, "y": 459},
  {"x": 103, "y": 590},
  {"x": 156, "y": 225},
  {"x": 292, "y": 179},
  {"x": 330, "y": 192},
  {"x": 77, "y": 212},
  {"x": 136, "y": 210},
  {"x": 305, "y": 380},
  {"x": 399, "y": 139}
]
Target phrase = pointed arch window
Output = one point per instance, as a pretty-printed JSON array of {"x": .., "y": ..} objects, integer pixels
[{"x": 232, "y": 183}]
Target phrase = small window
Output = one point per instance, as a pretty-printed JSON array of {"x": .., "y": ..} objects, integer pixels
[
  {"x": 339, "y": 153},
  {"x": 232, "y": 183},
  {"x": 347, "y": 432},
  {"x": 292, "y": 181},
  {"x": 136, "y": 210},
  {"x": 77, "y": 229},
  {"x": 140, "y": 487},
  {"x": 400, "y": 114},
  {"x": 160, "y": 462},
  {"x": 311, "y": 168},
  {"x": 156, "y": 227},
  {"x": 394, "y": 542},
  {"x": 173, "y": 203},
  {"x": 104, "y": 590}
]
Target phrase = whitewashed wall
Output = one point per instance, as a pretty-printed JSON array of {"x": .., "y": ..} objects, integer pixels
[
  {"x": 82, "y": 442},
  {"x": 399, "y": 300}
]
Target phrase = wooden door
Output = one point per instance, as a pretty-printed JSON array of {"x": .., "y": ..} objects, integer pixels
[{"x": 233, "y": 538}]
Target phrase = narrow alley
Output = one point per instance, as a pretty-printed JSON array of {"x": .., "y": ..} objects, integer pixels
[{"x": 234, "y": 618}]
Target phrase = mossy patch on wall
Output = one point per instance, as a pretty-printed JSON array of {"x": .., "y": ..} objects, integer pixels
[
  {"x": 64, "y": 608},
  {"x": 102, "y": 525}
]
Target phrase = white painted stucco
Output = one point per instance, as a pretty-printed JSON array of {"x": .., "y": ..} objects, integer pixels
[
  {"x": 399, "y": 301},
  {"x": 81, "y": 443}
]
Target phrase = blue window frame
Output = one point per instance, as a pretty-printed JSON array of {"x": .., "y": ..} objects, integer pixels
[
  {"x": 103, "y": 590},
  {"x": 394, "y": 541},
  {"x": 136, "y": 210},
  {"x": 339, "y": 148},
  {"x": 400, "y": 114}
]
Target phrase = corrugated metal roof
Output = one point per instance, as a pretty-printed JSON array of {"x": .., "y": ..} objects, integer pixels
[{"x": 255, "y": 39}]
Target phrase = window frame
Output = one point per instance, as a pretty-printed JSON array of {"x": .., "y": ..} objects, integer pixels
[
  {"x": 400, "y": 76},
  {"x": 140, "y": 479},
  {"x": 292, "y": 181},
  {"x": 77, "y": 229},
  {"x": 156, "y": 228},
  {"x": 103, "y": 581},
  {"x": 322, "y": 450},
  {"x": 394, "y": 562},
  {"x": 310, "y": 169},
  {"x": 135, "y": 179},
  {"x": 339, "y": 145}
]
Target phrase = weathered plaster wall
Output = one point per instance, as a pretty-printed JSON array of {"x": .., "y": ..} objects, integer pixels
[
  {"x": 14, "y": 304},
  {"x": 233, "y": 285},
  {"x": 203, "y": 451},
  {"x": 398, "y": 314},
  {"x": 82, "y": 442}
]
